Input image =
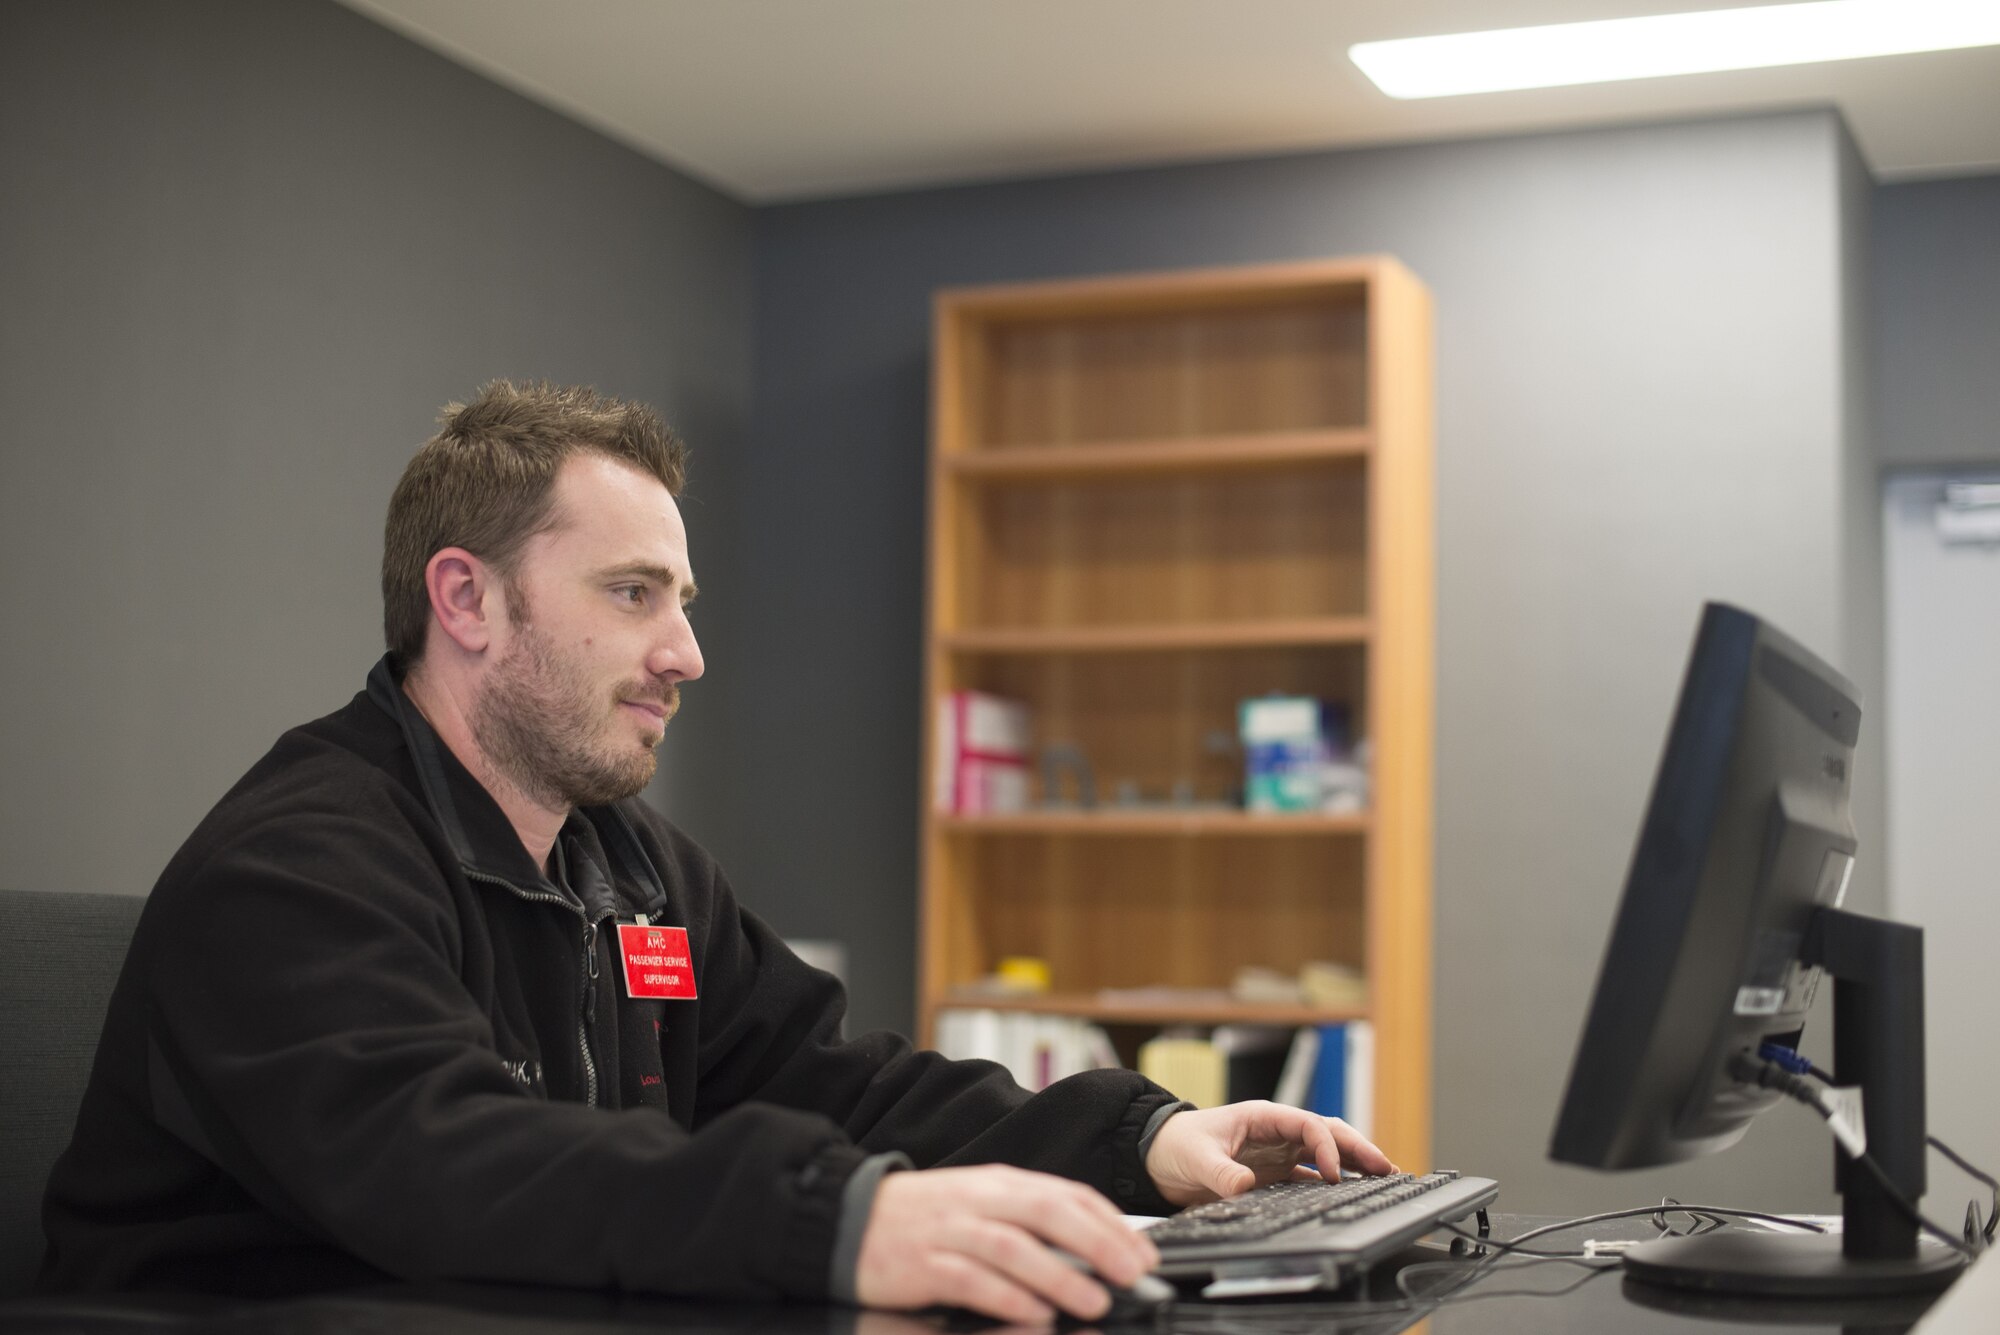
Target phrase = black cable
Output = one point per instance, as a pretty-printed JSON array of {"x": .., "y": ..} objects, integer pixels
[
  {"x": 1486, "y": 1265},
  {"x": 1646, "y": 1210},
  {"x": 1704, "y": 1222},
  {"x": 1909, "y": 1211},
  {"x": 1508, "y": 1247},
  {"x": 1708, "y": 1218},
  {"x": 1480, "y": 1268},
  {"x": 1455, "y": 1294},
  {"x": 1992, "y": 1187},
  {"x": 1767, "y": 1074}
]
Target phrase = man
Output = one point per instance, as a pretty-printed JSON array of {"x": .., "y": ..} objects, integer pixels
[{"x": 430, "y": 994}]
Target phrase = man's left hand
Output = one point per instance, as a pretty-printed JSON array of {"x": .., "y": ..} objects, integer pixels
[{"x": 1205, "y": 1154}]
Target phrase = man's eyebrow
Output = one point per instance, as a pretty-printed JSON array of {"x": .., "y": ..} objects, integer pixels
[{"x": 646, "y": 570}]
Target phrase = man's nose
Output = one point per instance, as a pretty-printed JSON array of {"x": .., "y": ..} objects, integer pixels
[{"x": 679, "y": 654}]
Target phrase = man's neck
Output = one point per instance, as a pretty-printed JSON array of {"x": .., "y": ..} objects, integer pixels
[{"x": 448, "y": 709}]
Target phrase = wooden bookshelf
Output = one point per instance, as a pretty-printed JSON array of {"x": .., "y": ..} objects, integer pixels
[{"x": 1151, "y": 498}]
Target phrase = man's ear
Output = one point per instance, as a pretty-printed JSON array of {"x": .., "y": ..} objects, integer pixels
[{"x": 464, "y": 593}]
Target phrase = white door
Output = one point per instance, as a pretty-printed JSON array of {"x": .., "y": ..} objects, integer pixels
[{"x": 1943, "y": 749}]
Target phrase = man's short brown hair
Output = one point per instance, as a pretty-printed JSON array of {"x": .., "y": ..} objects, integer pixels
[{"x": 486, "y": 482}]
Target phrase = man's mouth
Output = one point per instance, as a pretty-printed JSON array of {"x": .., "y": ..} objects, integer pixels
[{"x": 657, "y": 709}]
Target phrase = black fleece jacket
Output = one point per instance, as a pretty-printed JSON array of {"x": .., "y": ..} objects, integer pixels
[{"x": 359, "y": 1033}]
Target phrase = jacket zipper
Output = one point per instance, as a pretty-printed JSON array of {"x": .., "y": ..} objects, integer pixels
[
  {"x": 587, "y": 1012},
  {"x": 589, "y": 1016}
]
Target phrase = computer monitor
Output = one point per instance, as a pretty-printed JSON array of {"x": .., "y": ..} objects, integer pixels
[{"x": 1730, "y": 916}]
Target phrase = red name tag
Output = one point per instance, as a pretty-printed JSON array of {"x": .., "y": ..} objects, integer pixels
[{"x": 658, "y": 963}]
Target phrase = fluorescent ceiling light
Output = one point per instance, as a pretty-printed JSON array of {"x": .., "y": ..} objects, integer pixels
[{"x": 1647, "y": 48}]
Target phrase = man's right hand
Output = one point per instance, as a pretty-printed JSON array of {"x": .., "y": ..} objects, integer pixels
[{"x": 981, "y": 1238}]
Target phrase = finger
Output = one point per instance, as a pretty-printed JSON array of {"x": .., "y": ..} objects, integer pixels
[
  {"x": 1322, "y": 1145},
  {"x": 1094, "y": 1201},
  {"x": 1020, "y": 1257},
  {"x": 1272, "y": 1127},
  {"x": 1077, "y": 1219},
  {"x": 1021, "y": 1195},
  {"x": 961, "y": 1281},
  {"x": 1114, "y": 1250},
  {"x": 1224, "y": 1176},
  {"x": 1356, "y": 1150},
  {"x": 1332, "y": 1145}
]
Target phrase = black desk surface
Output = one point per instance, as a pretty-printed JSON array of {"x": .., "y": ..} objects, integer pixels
[{"x": 1552, "y": 1298}]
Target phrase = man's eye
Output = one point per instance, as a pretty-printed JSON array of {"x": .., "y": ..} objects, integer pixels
[{"x": 632, "y": 593}]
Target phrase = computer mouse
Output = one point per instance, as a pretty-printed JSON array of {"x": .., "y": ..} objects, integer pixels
[
  {"x": 1148, "y": 1296},
  {"x": 1142, "y": 1301}
]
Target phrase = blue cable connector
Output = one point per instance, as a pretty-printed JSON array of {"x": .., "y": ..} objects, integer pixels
[{"x": 1785, "y": 1057}]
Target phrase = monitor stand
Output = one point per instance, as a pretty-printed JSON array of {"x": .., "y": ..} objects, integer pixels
[{"x": 1878, "y": 1044}]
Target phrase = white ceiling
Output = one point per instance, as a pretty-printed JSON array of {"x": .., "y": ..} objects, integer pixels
[{"x": 787, "y": 99}]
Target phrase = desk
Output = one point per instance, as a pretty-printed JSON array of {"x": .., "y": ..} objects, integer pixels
[{"x": 1571, "y": 1300}]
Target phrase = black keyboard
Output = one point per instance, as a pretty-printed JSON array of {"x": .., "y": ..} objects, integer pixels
[
  {"x": 1266, "y": 1210},
  {"x": 1325, "y": 1228}
]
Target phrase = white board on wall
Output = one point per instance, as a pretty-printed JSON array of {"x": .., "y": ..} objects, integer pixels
[{"x": 1942, "y": 737}]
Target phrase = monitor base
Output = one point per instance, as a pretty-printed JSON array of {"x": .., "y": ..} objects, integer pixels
[{"x": 1786, "y": 1265}]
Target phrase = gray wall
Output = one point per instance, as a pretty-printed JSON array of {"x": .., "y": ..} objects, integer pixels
[
  {"x": 1858, "y": 648},
  {"x": 1643, "y": 354},
  {"x": 1935, "y": 279},
  {"x": 1944, "y": 776},
  {"x": 250, "y": 248}
]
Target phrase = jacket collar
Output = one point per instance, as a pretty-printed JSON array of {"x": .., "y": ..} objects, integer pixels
[{"x": 482, "y": 838}]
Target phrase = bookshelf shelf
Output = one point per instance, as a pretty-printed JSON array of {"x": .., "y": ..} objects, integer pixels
[
  {"x": 1195, "y": 455},
  {"x": 1152, "y": 498},
  {"x": 1083, "y": 824},
  {"x": 1087, "y": 1006},
  {"x": 1291, "y": 632}
]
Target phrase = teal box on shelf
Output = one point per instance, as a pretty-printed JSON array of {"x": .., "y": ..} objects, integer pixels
[{"x": 1289, "y": 741}]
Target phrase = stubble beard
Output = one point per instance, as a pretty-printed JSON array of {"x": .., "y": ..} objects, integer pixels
[{"x": 543, "y": 727}]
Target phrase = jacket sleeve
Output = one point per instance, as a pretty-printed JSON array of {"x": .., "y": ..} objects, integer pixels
[
  {"x": 311, "y": 1036},
  {"x": 770, "y": 1036}
]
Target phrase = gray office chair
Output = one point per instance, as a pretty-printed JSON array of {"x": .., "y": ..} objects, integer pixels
[{"x": 59, "y": 956}]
